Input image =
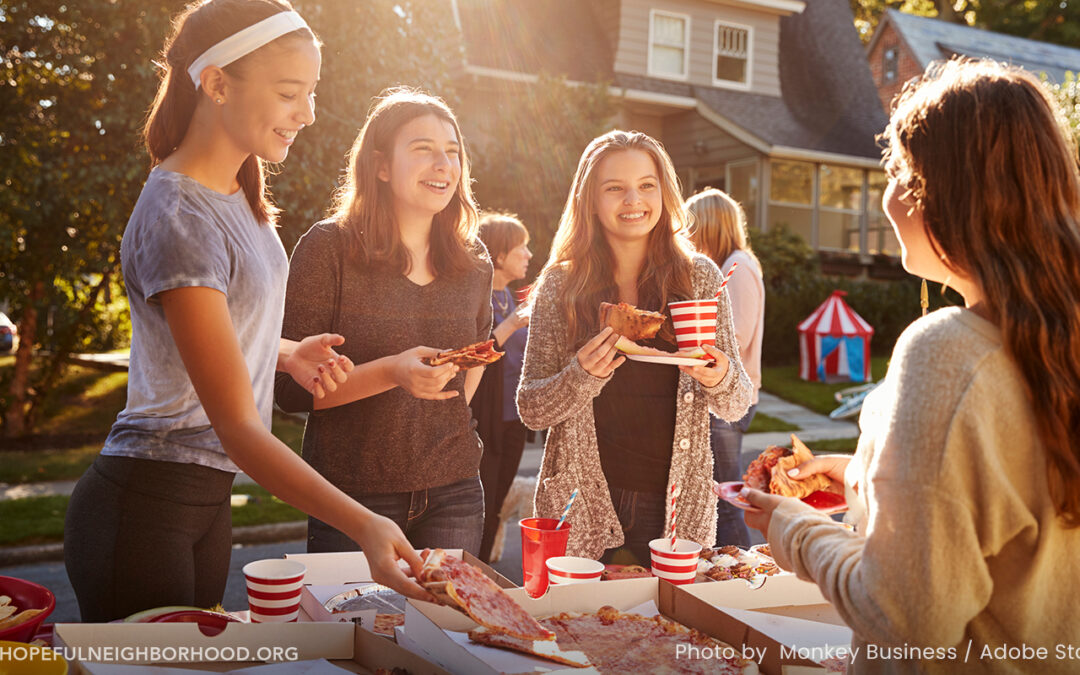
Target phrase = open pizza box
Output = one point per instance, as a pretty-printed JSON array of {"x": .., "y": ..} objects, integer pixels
[
  {"x": 334, "y": 575},
  {"x": 439, "y": 633},
  {"x": 269, "y": 649}
]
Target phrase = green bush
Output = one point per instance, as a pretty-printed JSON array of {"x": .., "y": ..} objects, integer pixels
[{"x": 795, "y": 286}]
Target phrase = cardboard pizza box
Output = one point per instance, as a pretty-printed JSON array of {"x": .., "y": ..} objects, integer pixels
[
  {"x": 325, "y": 569},
  {"x": 439, "y": 630},
  {"x": 108, "y": 649},
  {"x": 783, "y": 594}
]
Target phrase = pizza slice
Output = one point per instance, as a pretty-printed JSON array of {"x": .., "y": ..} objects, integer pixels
[
  {"x": 463, "y": 587},
  {"x": 768, "y": 472},
  {"x": 546, "y": 649},
  {"x": 630, "y": 322},
  {"x": 471, "y": 356}
]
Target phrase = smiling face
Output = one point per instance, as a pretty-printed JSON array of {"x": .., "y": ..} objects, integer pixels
[
  {"x": 424, "y": 166},
  {"x": 272, "y": 97},
  {"x": 627, "y": 195}
]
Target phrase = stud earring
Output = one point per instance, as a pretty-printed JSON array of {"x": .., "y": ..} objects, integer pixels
[{"x": 219, "y": 101}]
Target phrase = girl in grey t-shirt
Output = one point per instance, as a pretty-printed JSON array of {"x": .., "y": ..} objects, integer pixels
[{"x": 149, "y": 524}]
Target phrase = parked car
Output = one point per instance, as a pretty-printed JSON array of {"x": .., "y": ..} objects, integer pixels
[{"x": 9, "y": 334}]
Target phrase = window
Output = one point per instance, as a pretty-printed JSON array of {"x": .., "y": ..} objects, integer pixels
[
  {"x": 881, "y": 238},
  {"x": 840, "y": 202},
  {"x": 731, "y": 55},
  {"x": 669, "y": 40},
  {"x": 791, "y": 197},
  {"x": 889, "y": 64},
  {"x": 742, "y": 185}
]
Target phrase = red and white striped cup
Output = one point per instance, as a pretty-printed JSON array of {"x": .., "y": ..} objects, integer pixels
[
  {"x": 678, "y": 566},
  {"x": 567, "y": 569},
  {"x": 273, "y": 589},
  {"x": 695, "y": 322}
]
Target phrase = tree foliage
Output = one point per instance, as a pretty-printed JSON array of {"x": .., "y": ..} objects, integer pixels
[{"x": 1057, "y": 22}]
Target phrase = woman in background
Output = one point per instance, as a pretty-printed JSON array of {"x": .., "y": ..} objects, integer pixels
[
  {"x": 965, "y": 488},
  {"x": 718, "y": 229},
  {"x": 494, "y": 405}
]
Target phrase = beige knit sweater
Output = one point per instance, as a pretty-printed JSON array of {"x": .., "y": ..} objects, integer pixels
[
  {"x": 556, "y": 392},
  {"x": 956, "y": 545}
]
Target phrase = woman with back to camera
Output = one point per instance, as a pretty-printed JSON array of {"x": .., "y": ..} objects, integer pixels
[
  {"x": 494, "y": 405},
  {"x": 149, "y": 524},
  {"x": 624, "y": 432},
  {"x": 718, "y": 230},
  {"x": 965, "y": 488},
  {"x": 397, "y": 267}
]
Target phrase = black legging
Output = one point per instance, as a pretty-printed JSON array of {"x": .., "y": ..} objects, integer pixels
[
  {"x": 142, "y": 533},
  {"x": 497, "y": 472}
]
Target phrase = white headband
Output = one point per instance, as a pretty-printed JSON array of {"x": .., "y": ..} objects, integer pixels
[{"x": 246, "y": 41}]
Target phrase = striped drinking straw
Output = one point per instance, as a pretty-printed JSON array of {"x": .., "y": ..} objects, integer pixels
[
  {"x": 674, "y": 511},
  {"x": 567, "y": 509},
  {"x": 727, "y": 278}
]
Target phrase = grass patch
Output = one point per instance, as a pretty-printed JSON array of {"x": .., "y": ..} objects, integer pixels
[
  {"x": 40, "y": 520},
  {"x": 763, "y": 423},
  {"x": 783, "y": 381},
  {"x": 86, "y": 400},
  {"x": 834, "y": 446},
  {"x": 31, "y": 466}
]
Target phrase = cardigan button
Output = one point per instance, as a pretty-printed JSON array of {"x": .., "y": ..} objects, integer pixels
[
  {"x": 685, "y": 444},
  {"x": 688, "y": 397}
]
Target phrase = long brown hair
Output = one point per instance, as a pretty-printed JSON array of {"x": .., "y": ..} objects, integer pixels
[
  {"x": 718, "y": 225},
  {"x": 581, "y": 247},
  {"x": 363, "y": 203},
  {"x": 198, "y": 27},
  {"x": 984, "y": 151}
]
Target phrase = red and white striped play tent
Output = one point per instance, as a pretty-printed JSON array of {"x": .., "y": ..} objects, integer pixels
[{"x": 834, "y": 343}]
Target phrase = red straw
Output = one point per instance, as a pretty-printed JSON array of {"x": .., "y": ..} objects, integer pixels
[
  {"x": 727, "y": 278},
  {"x": 674, "y": 490}
]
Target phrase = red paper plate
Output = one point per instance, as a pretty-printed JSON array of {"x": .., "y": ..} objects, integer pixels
[
  {"x": 210, "y": 623},
  {"x": 826, "y": 502}
]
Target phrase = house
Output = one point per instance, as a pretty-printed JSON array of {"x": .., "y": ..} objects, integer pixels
[
  {"x": 904, "y": 45},
  {"x": 770, "y": 100}
]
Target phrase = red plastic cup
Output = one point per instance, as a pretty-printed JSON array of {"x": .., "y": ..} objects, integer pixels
[
  {"x": 540, "y": 541},
  {"x": 694, "y": 321}
]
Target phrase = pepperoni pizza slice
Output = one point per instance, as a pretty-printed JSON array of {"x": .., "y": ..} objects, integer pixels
[
  {"x": 471, "y": 356},
  {"x": 457, "y": 584}
]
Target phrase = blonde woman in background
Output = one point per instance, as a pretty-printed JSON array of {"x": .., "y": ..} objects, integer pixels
[{"x": 718, "y": 229}]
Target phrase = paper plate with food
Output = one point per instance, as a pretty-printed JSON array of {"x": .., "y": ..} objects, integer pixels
[
  {"x": 633, "y": 324},
  {"x": 768, "y": 473}
]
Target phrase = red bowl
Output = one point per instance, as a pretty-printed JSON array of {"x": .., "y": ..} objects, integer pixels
[
  {"x": 26, "y": 595},
  {"x": 210, "y": 623}
]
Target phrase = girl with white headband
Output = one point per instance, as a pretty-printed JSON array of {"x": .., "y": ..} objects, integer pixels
[{"x": 149, "y": 524}]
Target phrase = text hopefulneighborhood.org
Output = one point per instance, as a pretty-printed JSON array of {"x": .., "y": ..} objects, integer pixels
[{"x": 148, "y": 654}]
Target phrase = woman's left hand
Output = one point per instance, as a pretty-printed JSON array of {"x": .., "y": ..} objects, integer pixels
[
  {"x": 316, "y": 366},
  {"x": 711, "y": 374},
  {"x": 764, "y": 504}
]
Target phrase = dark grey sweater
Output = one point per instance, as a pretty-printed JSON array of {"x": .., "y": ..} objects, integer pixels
[{"x": 391, "y": 442}]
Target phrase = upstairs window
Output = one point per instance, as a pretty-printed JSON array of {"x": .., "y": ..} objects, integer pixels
[
  {"x": 731, "y": 55},
  {"x": 669, "y": 44},
  {"x": 889, "y": 61}
]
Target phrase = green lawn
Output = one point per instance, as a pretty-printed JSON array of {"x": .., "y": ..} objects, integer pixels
[
  {"x": 783, "y": 381},
  {"x": 762, "y": 423},
  {"x": 39, "y": 520}
]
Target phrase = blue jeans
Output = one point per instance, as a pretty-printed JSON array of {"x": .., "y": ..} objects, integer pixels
[
  {"x": 450, "y": 516},
  {"x": 641, "y": 515},
  {"x": 726, "y": 438}
]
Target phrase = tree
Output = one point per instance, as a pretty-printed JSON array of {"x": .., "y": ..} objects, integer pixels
[
  {"x": 74, "y": 95},
  {"x": 527, "y": 160}
]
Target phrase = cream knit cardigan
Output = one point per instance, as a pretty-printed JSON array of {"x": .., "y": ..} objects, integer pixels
[{"x": 557, "y": 393}]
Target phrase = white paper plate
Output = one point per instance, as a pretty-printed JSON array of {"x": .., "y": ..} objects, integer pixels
[{"x": 668, "y": 360}]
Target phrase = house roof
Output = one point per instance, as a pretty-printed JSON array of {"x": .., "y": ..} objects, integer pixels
[
  {"x": 933, "y": 39},
  {"x": 828, "y": 102}
]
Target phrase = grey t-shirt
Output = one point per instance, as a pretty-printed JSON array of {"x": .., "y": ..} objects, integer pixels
[{"x": 183, "y": 234}]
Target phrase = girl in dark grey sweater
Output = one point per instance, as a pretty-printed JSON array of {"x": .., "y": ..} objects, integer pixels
[{"x": 398, "y": 267}]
